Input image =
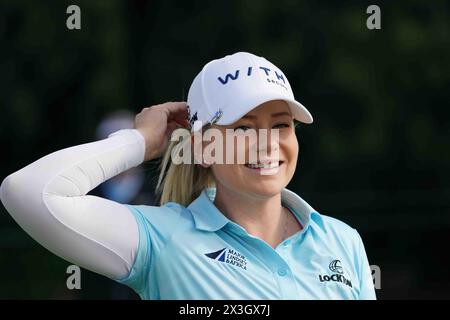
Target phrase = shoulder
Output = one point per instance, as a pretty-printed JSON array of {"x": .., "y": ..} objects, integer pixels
[
  {"x": 328, "y": 223},
  {"x": 335, "y": 230},
  {"x": 323, "y": 226},
  {"x": 158, "y": 224},
  {"x": 164, "y": 218}
]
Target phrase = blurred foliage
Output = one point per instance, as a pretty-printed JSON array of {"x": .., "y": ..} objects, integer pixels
[{"x": 377, "y": 155}]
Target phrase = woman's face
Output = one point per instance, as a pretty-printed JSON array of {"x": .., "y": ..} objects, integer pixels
[{"x": 254, "y": 181}]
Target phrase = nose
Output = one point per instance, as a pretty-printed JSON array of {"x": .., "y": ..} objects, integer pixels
[{"x": 267, "y": 145}]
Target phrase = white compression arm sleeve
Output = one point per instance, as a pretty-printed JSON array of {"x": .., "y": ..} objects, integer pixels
[{"x": 48, "y": 200}]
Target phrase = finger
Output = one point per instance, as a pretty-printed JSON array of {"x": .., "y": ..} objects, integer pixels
[
  {"x": 178, "y": 115},
  {"x": 182, "y": 122},
  {"x": 171, "y": 126},
  {"x": 175, "y": 107},
  {"x": 175, "y": 110}
]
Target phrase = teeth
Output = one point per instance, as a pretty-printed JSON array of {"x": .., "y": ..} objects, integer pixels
[{"x": 263, "y": 166}]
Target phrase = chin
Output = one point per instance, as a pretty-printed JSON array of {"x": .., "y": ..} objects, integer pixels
[{"x": 264, "y": 189}]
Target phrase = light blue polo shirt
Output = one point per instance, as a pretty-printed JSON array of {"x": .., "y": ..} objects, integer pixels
[{"x": 196, "y": 252}]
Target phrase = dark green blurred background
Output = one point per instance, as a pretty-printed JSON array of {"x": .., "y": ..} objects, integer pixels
[{"x": 376, "y": 157}]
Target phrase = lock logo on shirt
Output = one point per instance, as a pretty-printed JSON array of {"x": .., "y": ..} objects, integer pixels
[{"x": 338, "y": 274}]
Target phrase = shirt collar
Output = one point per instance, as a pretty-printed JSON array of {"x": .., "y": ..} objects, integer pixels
[{"x": 208, "y": 218}]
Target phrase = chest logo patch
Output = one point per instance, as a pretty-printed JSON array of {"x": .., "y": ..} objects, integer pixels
[
  {"x": 338, "y": 274},
  {"x": 229, "y": 256}
]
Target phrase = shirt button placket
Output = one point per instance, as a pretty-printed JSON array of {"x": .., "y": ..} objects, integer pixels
[
  {"x": 286, "y": 282},
  {"x": 282, "y": 272}
]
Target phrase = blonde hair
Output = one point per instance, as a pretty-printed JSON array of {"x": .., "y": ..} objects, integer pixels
[{"x": 181, "y": 183}]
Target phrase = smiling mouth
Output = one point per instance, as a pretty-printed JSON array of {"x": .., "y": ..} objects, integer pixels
[{"x": 264, "y": 166}]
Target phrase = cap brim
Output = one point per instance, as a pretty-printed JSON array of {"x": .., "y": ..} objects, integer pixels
[{"x": 299, "y": 112}]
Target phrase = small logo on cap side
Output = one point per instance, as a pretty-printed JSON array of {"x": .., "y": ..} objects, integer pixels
[
  {"x": 216, "y": 117},
  {"x": 191, "y": 118}
]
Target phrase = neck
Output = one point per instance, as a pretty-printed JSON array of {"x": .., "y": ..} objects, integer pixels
[{"x": 262, "y": 217}]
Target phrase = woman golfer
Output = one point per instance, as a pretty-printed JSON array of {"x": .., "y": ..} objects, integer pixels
[{"x": 224, "y": 230}]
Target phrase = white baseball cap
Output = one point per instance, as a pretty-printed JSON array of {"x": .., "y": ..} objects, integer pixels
[{"x": 228, "y": 88}]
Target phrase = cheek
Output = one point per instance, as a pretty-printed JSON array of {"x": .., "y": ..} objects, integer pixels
[
  {"x": 295, "y": 149},
  {"x": 291, "y": 150},
  {"x": 235, "y": 151},
  {"x": 226, "y": 174}
]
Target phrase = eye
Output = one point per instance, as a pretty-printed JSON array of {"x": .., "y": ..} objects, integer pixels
[
  {"x": 244, "y": 128},
  {"x": 282, "y": 125}
]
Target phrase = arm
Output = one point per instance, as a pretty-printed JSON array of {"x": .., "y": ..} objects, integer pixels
[{"x": 48, "y": 200}]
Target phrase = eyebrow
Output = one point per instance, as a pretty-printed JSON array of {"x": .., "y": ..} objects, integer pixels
[{"x": 277, "y": 114}]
